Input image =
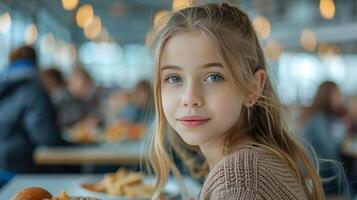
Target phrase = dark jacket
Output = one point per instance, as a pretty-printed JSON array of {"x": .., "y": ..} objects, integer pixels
[
  {"x": 326, "y": 134},
  {"x": 27, "y": 119}
]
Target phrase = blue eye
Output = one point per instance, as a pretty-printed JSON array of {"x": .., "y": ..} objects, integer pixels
[
  {"x": 173, "y": 79},
  {"x": 214, "y": 78}
]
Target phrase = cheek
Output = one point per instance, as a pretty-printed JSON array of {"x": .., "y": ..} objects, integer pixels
[
  {"x": 227, "y": 106},
  {"x": 169, "y": 103}
]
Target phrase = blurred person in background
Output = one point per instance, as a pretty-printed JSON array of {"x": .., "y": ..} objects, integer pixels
[
  {"x": 130, "y": 113},
  {"x": 139, "y": 108},
  {"x": 81, "y": 86},
  {"x": 116, "y": 102},
  {"x": 27, "y": 116},
  {"x": 325, "y": 129},
  {"x": 68, "y": 108}
]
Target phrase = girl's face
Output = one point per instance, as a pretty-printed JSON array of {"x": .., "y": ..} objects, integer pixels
[{"x": 198, "y": 99}]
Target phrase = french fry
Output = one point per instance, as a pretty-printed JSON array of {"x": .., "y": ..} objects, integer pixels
[
  {"x": 121, "y": 173},
  {"x": 123, "y": 182},
  {"x": 131, "y": 178},
  {"x": 114, "y": 189},
  {"x": 135, "y": 192},
  {"x": 97, "y": 187},
  {"x": 109, "y": 180},
  {"x": 61, "y": 196}
]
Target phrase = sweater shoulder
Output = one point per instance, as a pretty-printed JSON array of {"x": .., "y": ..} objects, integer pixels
[
  {"x": 250, "y": 172},
  {"x": 237, "y": 171}
]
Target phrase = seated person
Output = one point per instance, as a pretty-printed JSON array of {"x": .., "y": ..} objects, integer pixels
[
  {"x": 139, "y": 108},
  {"x": 27, "y": 116},
  {"x": 81, "y": 86},
  {"x": 68, "y": 108},
  {"x": 325, "y": 130}
]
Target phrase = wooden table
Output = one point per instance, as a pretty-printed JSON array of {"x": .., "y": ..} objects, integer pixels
[
  {"x": 127, "y": 152},
  {"x": 55, "y": 183}
]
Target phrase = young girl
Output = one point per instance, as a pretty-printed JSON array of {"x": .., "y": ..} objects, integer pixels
[{"x": 212, "y": 90}]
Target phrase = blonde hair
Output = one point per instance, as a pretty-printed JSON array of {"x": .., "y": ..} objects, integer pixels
[{"x": 239, "y": 50}]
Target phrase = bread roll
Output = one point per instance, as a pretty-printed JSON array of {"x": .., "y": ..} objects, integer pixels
[{"x": 32, "y": 193}]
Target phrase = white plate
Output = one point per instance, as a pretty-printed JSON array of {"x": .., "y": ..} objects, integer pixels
[{"x": 172, "y": 190}]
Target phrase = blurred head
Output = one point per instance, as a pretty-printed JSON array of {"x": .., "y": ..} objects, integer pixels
[
  {"x": 142, "y": 93},
  {"x": 27, "y": 53},
  {"x": 52, "y": 79},
  {"x": 328, "y": 98},
  {"x": 80, "y": 83},
  {"x": 208, "y": 62}
]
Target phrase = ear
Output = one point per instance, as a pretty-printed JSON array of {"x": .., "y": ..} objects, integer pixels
[{"x": 259, "y": 82}]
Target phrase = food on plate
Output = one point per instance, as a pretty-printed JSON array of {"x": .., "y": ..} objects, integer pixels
[
  {"x": 37, "y": 193},
  {"x": 62, "y": 196},
  {"x": 32, "y": 193},
  {"x": 116, "y": 131},
  {"x": 122, "y": 183},
  {"x": 136, "y": 131},
  {"x": 82, "y": 134},
  {"x": 124, "y": 130}
]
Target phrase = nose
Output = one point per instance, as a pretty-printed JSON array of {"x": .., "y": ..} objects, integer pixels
[{"x": 192, "y": 96}]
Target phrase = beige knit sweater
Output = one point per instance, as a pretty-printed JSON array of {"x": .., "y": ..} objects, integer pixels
[{"x": 251, "y": 173}]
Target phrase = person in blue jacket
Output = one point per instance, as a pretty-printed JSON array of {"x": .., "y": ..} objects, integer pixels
[
  {"x": 325, "y": 130},
  {"x": 27, "y": 117}
]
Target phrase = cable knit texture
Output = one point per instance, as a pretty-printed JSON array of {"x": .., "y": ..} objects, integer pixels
[{"x": 252, "y": 173}]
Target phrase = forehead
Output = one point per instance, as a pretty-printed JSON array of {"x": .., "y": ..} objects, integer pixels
[{"x": 189, "y": 49}]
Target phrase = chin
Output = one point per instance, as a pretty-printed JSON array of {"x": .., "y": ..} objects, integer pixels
[{"x": 194, "y": 140}]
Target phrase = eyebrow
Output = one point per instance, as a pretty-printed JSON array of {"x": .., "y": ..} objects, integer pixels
[{"x": 208, "y": 65}]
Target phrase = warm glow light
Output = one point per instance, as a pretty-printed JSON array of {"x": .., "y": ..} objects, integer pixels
[
  {"x": 69, "y": 4},
  {"x": 273, "y": 50},
  {"x": 161, "y": 18},
  {"x": 327, "y": 9},
  {"x": 103, "y": 36},
  {"x": 93, "y": 30},
  {"x": 308, "y": 40},
  {"x": 180, "y": 4},
  {"x": 31, "y": 34},
  {"x": 84, "y": 15},
  {"x": 262, "y": 26},
  {"x": 5, "y": 23},
  {"x": 323, "y": 49},
  {"x": 328, "y": 49},
  {"x": 48, "y": 43}
]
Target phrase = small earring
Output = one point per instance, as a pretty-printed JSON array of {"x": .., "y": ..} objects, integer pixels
[{"x": 251, "y": 102}]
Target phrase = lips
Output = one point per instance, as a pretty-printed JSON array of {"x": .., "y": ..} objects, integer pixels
[
  {"x": 193, "y": 121},
  {"x": 193, "y": 118}
]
